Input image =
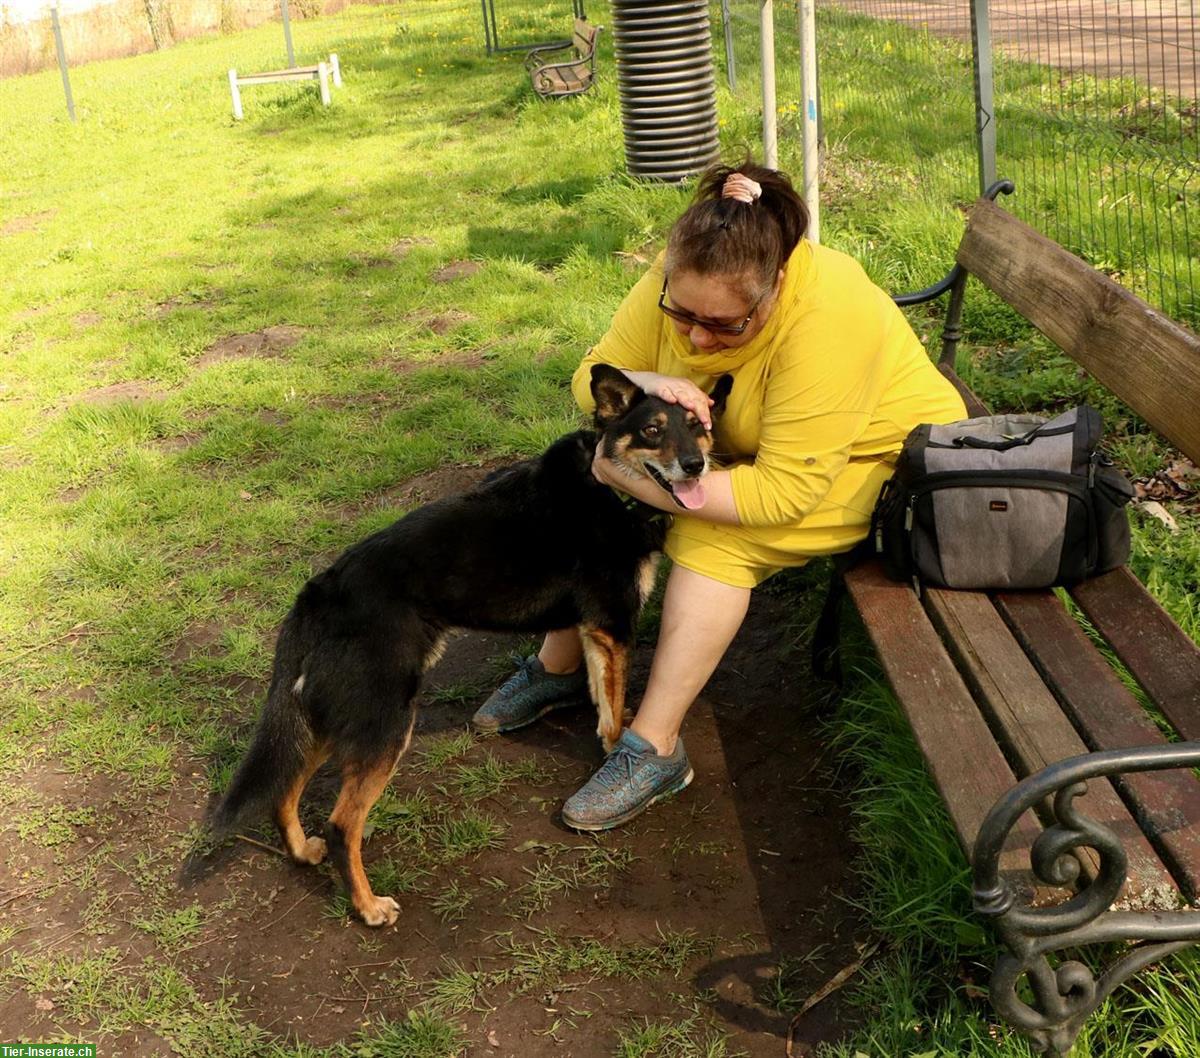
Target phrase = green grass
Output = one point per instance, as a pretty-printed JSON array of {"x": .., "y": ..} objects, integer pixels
[
  {"x": 684, "y": 1039},
  {"x": 163, "y": 501}
]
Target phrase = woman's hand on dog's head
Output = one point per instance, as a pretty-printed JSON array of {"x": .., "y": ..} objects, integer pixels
[{"x": 675, "y": 391}]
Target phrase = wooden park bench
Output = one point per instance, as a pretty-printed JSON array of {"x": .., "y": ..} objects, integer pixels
[
  {"x": 570, "y": 77},
  {"x": 320, "y": 73},
  {"x": 1014, "y": 706}
]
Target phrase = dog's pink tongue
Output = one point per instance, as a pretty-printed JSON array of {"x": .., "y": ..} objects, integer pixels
[{"x": 690, "y": 493}]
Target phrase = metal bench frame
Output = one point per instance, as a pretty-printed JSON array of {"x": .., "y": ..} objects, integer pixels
[{"x": 565, "y": 78}]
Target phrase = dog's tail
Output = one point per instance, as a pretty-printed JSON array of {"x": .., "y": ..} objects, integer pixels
[{"x": 281, "y": 746}]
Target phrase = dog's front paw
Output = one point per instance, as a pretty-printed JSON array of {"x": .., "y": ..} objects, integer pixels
[
  {"x": 312, "y": 852},
  {"x": 380, "y": 911}
]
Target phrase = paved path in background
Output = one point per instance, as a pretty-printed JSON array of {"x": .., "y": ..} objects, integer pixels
[{"x": 1154, "y": 42}]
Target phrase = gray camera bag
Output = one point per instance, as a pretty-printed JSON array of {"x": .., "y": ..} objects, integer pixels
[{"x": 1004, "y": 501}]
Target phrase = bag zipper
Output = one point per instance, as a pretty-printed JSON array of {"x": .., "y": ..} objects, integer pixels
[
  {"x": 1042, "y": 479},
  {"x": 1013, "y": 440}
]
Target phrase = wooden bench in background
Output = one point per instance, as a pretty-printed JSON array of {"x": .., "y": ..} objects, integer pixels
[
  {"x": 1013, "y": 705},
  {"x": 570, "y": 77},
  {"x": 321, "y": 73}
]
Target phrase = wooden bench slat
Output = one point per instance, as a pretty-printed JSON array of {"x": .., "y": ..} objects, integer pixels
[
  {"x": 1029, "y": 723},
  {"x": 1161, "y": 656},
  {"x": 584, "y": 37},
  {"x": 1106, "y": 714},
  {"x": 569, "y": 79},
  {"x": 1147, "y": 359},
  {"x": 967, "y": 766}
]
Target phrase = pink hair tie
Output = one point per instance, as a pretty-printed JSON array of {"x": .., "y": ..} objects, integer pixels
[{"x": 741, "y": 187}]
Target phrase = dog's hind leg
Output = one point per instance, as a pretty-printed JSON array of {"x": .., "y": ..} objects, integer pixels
[
  {"x": 607, "y": 662},
  {"x": 362, "y": 783},
  {"x": 302, "y": 849}
]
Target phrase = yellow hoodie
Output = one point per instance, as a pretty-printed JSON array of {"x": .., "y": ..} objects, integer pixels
[{"x": 823, "y": 397}]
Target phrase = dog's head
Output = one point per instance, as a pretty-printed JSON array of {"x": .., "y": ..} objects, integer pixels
[{"x": 653, "y": 438}]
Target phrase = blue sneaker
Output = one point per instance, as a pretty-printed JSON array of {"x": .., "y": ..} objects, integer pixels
[
  {"x": 630, "y": 780},
  {"x": 531, "y": 692}
]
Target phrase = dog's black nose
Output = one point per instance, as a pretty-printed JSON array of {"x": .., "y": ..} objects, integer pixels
[{"x": 692, "y": 465}]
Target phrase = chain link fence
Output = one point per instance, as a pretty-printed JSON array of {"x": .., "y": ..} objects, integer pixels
[{"x": 1095, "y": 118}]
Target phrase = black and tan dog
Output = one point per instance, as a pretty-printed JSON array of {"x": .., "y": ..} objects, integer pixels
[{"x": 539, "y": 546}]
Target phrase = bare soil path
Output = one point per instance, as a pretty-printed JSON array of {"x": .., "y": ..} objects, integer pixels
[{"x": 535, "y": 942}]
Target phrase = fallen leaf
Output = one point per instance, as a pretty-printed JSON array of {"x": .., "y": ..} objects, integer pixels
[
  {"x": 529, "y": 846},
  {"x": 1157, "y": 510},
  {"x": 493, "y": 1039}
]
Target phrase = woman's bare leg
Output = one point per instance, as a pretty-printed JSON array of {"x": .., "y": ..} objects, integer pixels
[
  {"x": 562, "y": 651},
  {"x": 700, "y": 617}
]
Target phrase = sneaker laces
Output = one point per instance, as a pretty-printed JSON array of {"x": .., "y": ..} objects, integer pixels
[
  {"x": 617, "y": 768},
  {"x": 520, "y": 679}
]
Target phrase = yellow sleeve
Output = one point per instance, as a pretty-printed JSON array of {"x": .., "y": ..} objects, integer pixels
[
  {"x": 826, "y": 381},
  {"x": 632, "y": 340}
]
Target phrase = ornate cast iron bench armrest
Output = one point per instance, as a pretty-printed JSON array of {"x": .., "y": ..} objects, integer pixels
[{"x": 1068, "y": 994}]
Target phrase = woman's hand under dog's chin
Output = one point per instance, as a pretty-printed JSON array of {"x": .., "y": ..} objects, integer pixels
[{"x": 718, "y": 505}]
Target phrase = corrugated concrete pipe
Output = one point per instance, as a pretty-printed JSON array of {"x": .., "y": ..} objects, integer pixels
[{"x": 667, "y": 85}]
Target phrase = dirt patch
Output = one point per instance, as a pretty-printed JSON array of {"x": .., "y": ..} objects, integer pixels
[
  {"x": 72, "y": 495},
  {"x": 179, "y": 443},
  {"x": 268, "y": 342},
  {"x": 371, "y": 260},
  {"x": 425, "y": 488},
  {"x": 29, "y": 222},
  {"x": 83, "y": 320},
  {"x": 456, "y": 270},
  {"x": 132, "y": 390},
  {"x": 401, "y": 247},
  {"x": 470, "y": 358},
  {"x": 711, "y": 890},
  {"x": 180, "y": 301},
  {"x": 444, "y": 322},
  {"x": 198, "y": 639}
]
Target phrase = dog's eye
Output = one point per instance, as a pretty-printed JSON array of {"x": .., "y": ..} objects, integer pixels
[{"x": 651, "y": 431}]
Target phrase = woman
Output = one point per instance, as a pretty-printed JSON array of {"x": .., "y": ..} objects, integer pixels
[{"x": 828, "y": 380}]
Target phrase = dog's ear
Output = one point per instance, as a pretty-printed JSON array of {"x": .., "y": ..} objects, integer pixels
[
  {"x": 719, "y": 393},
  {"x": 613, "y": 392}
]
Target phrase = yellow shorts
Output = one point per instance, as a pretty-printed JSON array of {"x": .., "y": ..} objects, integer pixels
[{"x": 744, "y": 556}]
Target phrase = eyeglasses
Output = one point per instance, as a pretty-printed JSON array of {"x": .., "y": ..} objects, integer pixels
[{"x": 730, "y": 329}]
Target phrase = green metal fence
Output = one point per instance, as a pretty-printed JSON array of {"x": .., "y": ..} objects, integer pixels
[{"x": 1094, "y": 116}]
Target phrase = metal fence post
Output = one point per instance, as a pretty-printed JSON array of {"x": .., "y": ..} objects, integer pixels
[
  {"x": 806, "y": 11},
  {"x": 287, "y": 33},
  {"x": 62, "y": 59},
  {"x": 767, "y": 49},
  {"x": 730, "y": 62},
  {"x": 985, "y": 113}
]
